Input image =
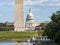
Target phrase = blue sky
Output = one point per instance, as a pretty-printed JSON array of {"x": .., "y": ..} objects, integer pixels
[{"x": 41, "y": 9}]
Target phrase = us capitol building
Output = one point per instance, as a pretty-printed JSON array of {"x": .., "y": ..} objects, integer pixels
[{"x": 30, "y": 23}]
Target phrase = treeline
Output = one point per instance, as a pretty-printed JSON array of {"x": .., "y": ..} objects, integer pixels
[
  {"x": 52, "y": 29},
  {"x": 5, "y": 27}
]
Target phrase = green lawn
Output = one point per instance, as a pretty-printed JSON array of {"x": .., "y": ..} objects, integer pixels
[
  {"x": 17, "y": 35},
  {"x": 4, "y": 35}
]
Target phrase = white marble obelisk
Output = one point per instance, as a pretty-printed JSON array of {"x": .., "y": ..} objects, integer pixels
[{"x": 19, "y": 15}]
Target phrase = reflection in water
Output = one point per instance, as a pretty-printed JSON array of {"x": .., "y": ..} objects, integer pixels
[
  {"x": 28, "y": 43},
  {"x": 15, "y": 43},
  {"x": 6, "y": 43},
  {"x": 24, "y": 43},
  {"x": 19, "y": 43}
]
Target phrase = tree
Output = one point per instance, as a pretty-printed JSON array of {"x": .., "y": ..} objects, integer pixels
[
  {"x": 57, "y": 38},
  {"x": 53, "y": 27},
  {"x": 5, "y": 27},
  {"x": 43, "y": 25}
]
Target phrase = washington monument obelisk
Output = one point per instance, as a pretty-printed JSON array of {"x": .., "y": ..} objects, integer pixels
[{"x": 19, "y": 15}]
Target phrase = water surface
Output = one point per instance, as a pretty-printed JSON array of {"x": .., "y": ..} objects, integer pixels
[{"x": 14, "y": 43}]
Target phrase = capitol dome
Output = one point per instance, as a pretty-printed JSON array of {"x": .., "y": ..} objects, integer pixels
[{"x": 29, "y": 16}]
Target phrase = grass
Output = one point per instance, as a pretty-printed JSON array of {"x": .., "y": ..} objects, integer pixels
[
  {"x": 4, "y": 35},
  {"x": 40, "y": 32},
  {"x": 17, "y": 35}
]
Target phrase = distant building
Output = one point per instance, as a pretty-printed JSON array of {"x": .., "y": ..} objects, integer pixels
[
  {"x": 29, "y": 21},
  {"x": 38, "y": 27}
]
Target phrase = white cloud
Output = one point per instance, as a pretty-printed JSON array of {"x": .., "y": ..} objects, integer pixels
[
  {"x": 51, "y": 4},
  {"x": 53, "y": 0},
  {"x": 42, "y": 2},
  {"x": 30, "y": 2}
]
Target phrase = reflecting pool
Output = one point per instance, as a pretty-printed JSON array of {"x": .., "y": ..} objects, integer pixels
[{"x": 15, "y": 43}]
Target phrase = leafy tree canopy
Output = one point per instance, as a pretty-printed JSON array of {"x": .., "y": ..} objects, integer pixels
[{"x": 52, "y": 29}]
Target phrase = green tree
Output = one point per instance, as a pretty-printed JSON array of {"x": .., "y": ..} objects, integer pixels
[
  {"x": 57, "y": 38},
  {"x": 43, "y": 25},
  {"x": 53, "y": 27},
  {"x": 5, "y": 27}
]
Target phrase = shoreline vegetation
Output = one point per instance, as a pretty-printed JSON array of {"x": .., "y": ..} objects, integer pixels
[{"x": 9, "y": 35}]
